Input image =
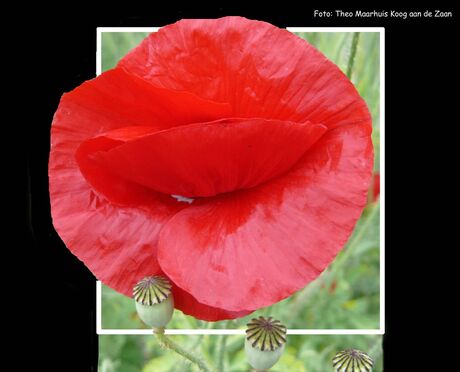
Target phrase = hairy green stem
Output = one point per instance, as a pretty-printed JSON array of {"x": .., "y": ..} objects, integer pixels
[
  {"x": 197, "y": 343},
  {"x": 351, "y": 59},
  {"x": 167, "y": 343},
  {"x": 221, "y": 350},
  {"x": 376, "y": 350}
]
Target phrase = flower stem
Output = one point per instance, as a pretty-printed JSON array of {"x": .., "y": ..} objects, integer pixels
[
  {"x": 221, "y": 359},
  {"x": 351, "y": 59},
  {"x": 376, "y": 350},
  {"x": 197, "y": 343},
  {"x": 166, "y": 343}
]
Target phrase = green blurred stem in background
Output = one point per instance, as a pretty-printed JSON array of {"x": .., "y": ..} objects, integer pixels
[
  {"x": 222, "y": 347},
  {"x": 221, "y": 360},
  {"x": 351, "y": 59}
]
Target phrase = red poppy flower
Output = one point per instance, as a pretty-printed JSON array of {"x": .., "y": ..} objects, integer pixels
[{"x": 267, "y": 137}]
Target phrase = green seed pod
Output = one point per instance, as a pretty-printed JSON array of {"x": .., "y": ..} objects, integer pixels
[
  {"x": 154, "y": 301},
  {"x": 265, "y": 342},
  {"x": 352, "y": 360}
]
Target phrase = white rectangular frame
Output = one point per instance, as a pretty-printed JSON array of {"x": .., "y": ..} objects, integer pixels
[{"x": 379, "y": 331}]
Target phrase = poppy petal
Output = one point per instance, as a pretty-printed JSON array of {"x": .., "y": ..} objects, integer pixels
[
  {"x": 207, "y": 158},
  {"x": 106, "y": 183},
  {"x": 118, "y": 99},
  {"x": 119, "y": 248},
  {"x": 252, "y": 248},
  {"x": 190, "y": 306},
  {"x": 117, "y": 245},
  {"x": 261, "y": 70}
]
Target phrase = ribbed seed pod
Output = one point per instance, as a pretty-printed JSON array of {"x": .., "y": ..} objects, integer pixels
[
  {"x": 265, "y": 342},
  {"x": 352, "y": 360},
  {"x": 154, "y": 301},
  {"x": 152, "y": 290}
]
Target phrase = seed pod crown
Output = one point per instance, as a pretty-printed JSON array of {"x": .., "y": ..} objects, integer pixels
[
  {"x": 152, "y": 290},
  {"x": 352, "y": 360},
  {"x": 266, "y": 334}
]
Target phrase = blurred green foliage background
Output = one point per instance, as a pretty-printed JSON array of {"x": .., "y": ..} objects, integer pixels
[{"x": 345, "y": 296}]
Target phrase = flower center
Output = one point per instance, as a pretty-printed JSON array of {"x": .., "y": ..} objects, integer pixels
[{"x": 183, "y": 199}]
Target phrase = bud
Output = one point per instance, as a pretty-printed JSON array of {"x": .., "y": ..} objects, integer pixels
[
  {"x": 265, "y": 342},
  {"x": 352, "y": 360},
  {"x": 154, "y": 301}
]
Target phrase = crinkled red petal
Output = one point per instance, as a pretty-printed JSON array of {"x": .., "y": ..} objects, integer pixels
[
  {"x": 204, "y": 159},
  {"x": 189, "y": 305},
  {"x": 116, "y": 189},
  {"x": 118, "y": 99},
  {"x": 116, "y": 240},
  {"x": 261, "y": 70},
  {"x": 253, "y": 248}
]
